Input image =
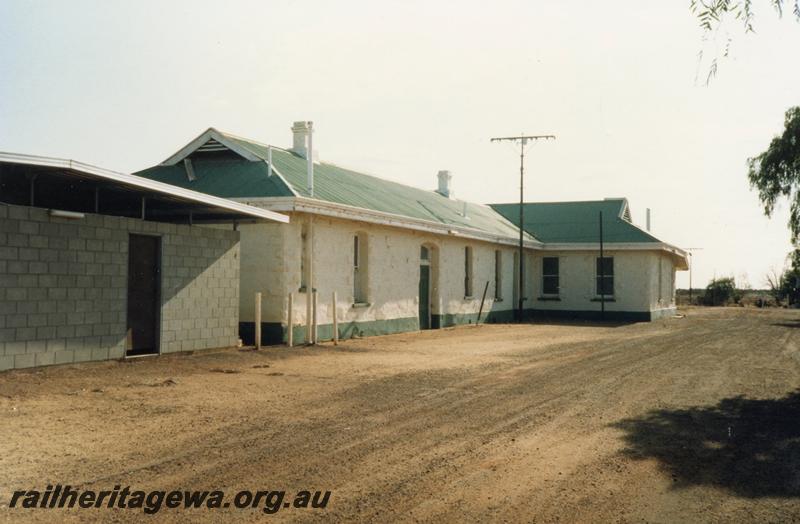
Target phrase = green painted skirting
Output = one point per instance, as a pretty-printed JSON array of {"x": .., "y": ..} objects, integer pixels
[
  {"x": 617, "y": 316},
  {"x": 275, "y": 333},
  {"x": 487, "y": 317}
]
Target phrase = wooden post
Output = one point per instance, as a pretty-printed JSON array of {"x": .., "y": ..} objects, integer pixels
[
  {"x": 314, "y": 317},
  {"x": 480, "y": 311},
  {"x": 290, "y": 322},
  {"x": 308, "y": 314},
  {"x": 258, "y": 320},
  {"x": 335, "y": 323}
]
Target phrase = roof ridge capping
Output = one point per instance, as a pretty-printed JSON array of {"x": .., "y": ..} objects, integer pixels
[{"x": 224, "y": 137}]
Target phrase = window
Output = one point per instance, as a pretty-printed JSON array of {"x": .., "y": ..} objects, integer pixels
[
  {"x": 550, "y": 284},
  {"x": 303, "y": 256},
  {"x": 467, "y": 271},
  {"x": 360, "y": 268},
  {"x": 605, "y": 276},
  {"x": 498, "y": 275},
  {"x": 424, "y": 254}
]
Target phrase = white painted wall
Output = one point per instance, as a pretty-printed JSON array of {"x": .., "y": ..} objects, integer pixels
[
  {"x": 271, "y": 264},
  {"x": 662, "y": 291},
  {"x": 393, "y": 271},
  {"x": 636, "y": 281}
]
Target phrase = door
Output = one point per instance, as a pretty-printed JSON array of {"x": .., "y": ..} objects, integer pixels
[
  {"x": 424, "y": 296},
  {"x": 144, "y": 278},
  {"x": 424, "y": 287}
]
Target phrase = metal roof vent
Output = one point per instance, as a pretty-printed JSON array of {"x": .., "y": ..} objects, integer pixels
[{"x": 212, "y": 146}]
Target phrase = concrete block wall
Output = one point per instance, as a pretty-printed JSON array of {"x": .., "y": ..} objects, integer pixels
[
  {"x": 264, "y": 266},
  {"x": 200, "y": 288},
  {"x": 63, "y": 287}
]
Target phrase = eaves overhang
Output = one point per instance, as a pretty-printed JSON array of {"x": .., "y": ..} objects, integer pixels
[
  {"x": 145, "y": 186},
  {"x": 342, "y": 211}
]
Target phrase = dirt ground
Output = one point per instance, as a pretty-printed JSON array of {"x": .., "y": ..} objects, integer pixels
[{"x": 689, "y": 419}]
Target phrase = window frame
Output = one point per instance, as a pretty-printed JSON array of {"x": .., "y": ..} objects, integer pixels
[
  {"x": 607, "y": 276},
  {"x": 360, "y": 269},
  {"x": 498, "y": 275},
  {"x": 468, "y": 272},
  {"x": 304, "y": 253},
  {"x": 556, "y": 276}
]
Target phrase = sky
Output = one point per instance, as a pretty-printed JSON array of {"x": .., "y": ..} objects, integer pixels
[{"x": 403, "y": 89}]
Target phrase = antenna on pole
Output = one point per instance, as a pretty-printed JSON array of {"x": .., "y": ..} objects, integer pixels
[
  {"x": 691, "y": 263},
  {"x": 523, "y": 140}
]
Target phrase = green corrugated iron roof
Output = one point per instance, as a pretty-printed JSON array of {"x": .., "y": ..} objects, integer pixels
[
  {"x": 576, "y": 222},
  {"x": 242, "y": 178},
  {"x": 227, "y": 178}
]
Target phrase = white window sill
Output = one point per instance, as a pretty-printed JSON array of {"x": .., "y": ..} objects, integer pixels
[{"x": 553, "y": 298}]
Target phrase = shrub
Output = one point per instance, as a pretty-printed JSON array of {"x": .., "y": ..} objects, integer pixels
[{"x": 721, "y": 291}]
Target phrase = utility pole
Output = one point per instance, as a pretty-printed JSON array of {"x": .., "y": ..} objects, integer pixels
[
  {"x": 523, "y": 140},
  {"x": 602, "y": 273},
  {"x": 691, "y": 263}
]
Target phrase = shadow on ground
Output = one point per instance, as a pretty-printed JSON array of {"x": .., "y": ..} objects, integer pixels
[
  {"x": 750, "y": 447},
  {"x": 787, "y": 323},
  {"x": 576, "y": 322}
]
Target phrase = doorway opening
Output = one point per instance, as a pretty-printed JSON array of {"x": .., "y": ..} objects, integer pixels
[
  {"x": 427, "y": 266},
  {"x": 144, "y": 289}
]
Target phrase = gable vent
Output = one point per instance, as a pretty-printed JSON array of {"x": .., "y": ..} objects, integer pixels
[{"x": 211, "y": 146}]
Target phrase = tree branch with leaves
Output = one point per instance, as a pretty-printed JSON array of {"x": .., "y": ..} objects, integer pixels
[
  {"x": 716, "y": 16},
  {"x": 775, "y": 173}
]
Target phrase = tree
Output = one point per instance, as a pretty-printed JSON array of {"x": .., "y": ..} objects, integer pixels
[
  {"x": 775, "y": 173},
  {"x": 785, "y": 286},
  {"x": 716, "y": 15},
  {"x": 774, "y": 280},
  {"x": 712, "y": 14},
  {"x": 790, "y": 280},
  {"x": 720, "y": 292}
]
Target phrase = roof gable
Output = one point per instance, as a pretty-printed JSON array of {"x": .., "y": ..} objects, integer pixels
[{"x": 214, "y": 141}]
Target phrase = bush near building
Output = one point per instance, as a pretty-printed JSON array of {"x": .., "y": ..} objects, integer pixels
[{"x": 721, "y": 292}]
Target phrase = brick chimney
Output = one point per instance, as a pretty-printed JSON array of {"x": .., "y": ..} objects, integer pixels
[{"x": 444, "y": 177}]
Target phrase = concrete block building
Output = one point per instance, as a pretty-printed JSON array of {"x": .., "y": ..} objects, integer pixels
[
  {"x": 99, "y": 265},
  {"x": 400, "y": 258}
]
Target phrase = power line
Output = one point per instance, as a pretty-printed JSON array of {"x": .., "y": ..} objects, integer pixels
[{"x": 523, "y": 141}]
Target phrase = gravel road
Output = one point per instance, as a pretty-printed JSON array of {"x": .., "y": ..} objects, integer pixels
[{"x": 679, "y": 420}]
